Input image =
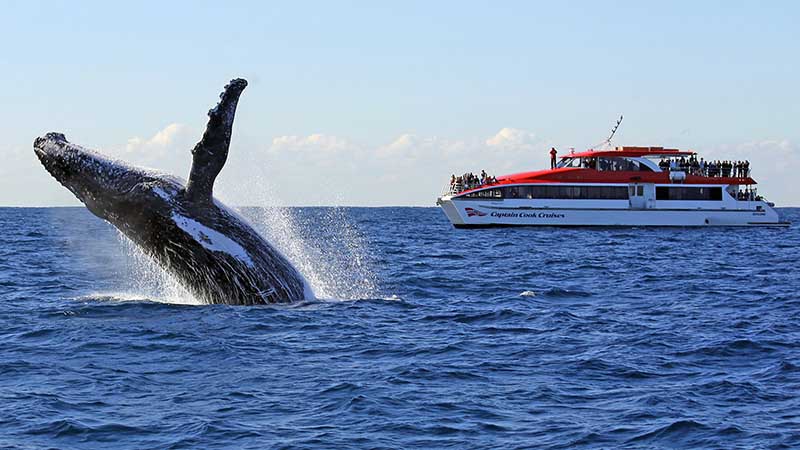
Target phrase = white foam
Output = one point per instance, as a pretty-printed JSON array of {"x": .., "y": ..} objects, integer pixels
[{"x": 212, "y": 239}]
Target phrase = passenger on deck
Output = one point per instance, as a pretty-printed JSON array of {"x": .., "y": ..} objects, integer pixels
[
  {"x": 553, "y": 154},
  {"x": 726, "y": 169}
]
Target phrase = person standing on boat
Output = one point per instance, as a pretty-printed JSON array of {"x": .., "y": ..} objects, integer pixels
[{"x": 553, "y": 153}]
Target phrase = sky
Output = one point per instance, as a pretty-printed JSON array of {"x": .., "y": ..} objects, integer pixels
[{"x": 378, "y": 103}]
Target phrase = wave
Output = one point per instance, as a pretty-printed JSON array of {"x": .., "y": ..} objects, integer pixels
[
  {"x": 683, "y": 432},
  {"x": 565, "y": 293},
  {"x": 126, "y": 297},
  {"x": 63, "y": 428},
  {"x": 728, "y": 348}
]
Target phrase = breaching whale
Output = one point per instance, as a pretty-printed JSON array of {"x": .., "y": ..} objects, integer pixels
[{"x": 207, "y": 247}]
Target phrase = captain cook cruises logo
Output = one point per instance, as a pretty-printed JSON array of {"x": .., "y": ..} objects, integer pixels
[{"x": 472, "y": 212}]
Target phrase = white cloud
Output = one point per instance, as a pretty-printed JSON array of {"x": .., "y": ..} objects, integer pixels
[
  {"x": 409, "y": 148},
  {"x": 402, "y": 144},
  {"x": 409, "y": 169},
  {"x": 334, "y": 155},
  {"x": 160, "y": 142},
  {"x": 166, "y": 136},
  {"x": 312, "y": 143},
  {"x": 512, "y": 138},
  {"x": 168, "y": 149}
]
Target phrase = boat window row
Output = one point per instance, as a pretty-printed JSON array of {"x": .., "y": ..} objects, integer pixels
[
  {"x": 688, "y": 193},
  {"x": 567, "y": 192},
  {"x": 554, "y": 192},
  {"x": 606, "y": 164}
]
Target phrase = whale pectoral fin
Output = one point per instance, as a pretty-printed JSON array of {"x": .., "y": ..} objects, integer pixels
[{"x": 210, "y": 154}]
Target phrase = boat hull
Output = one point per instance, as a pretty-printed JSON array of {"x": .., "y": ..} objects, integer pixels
[{"x": 479, "y": 214}]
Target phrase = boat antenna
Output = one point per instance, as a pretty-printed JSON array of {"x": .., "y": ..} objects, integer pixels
[{"x": 607, "y": 142}]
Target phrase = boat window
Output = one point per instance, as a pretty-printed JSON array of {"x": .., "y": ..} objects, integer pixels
[
  {"x": 622, "y": 165},
  {"x": 567, "y": 192},
  {"x": 486, "y": 193},
  {"x": 526, "y": 192},
  {"x": 569, "y": 162},
  {"x": 688, "y": 193}
]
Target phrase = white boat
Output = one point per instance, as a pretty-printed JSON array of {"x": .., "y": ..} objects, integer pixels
[{"x": 626, "y": 186}]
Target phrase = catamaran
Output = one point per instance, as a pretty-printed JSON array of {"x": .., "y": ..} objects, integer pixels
[{"x": 623, "y": 186}]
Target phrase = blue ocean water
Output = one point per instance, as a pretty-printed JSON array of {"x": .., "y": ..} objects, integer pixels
[{"x": 431, "y": 337}]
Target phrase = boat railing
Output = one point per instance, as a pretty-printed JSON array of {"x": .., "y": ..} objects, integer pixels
[
  {"x": 457, "y": 188},
  {"x": 710, "y": 171}
]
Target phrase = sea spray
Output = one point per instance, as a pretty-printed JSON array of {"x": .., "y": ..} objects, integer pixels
[
  {"x": 323, "y": 243},
  {"x": 147, "y": 278},
  {"x": 324, "y": 246}
]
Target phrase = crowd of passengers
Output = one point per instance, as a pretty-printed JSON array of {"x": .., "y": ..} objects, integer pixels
[
  {"x": 470, "y": 181},
  {"x": 748, "y": 195},
  {"x": 704, "y": 168}
]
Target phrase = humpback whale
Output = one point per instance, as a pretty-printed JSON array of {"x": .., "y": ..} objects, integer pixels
[{"x": 214, "y": 253}]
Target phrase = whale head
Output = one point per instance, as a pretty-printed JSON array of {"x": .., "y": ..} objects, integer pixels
[{"x": 103, "y": 184}]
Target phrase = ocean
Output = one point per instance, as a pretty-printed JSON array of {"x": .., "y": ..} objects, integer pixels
[{"x": 424, "y": 336}]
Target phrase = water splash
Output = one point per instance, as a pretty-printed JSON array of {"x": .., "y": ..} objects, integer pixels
[
  {"x": 327, "y": 249},
  {"x": 324, "y": 245},
  {"x": 146, "y": 278}
]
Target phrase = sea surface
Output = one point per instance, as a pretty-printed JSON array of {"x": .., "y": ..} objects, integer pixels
[{"x": 424, "y": 336}]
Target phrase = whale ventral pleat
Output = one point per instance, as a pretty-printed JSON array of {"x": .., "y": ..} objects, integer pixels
[{"x": 210, "y": 154}]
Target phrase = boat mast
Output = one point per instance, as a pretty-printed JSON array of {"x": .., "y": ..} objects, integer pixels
[{"x": 607, "y": 142}]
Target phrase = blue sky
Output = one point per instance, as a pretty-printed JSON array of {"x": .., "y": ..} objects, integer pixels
[{"x": 371, "y": 103}]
